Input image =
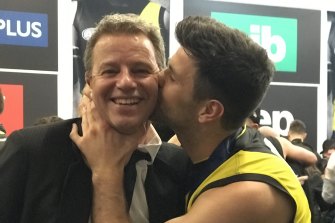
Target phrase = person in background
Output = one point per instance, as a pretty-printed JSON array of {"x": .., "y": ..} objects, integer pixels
[
  {"x": 328, "y": 192},
  {"x": 328, "y": 147},
  {"x": 46, "y": 178},
  {"x": 285, "y": 148},
  {"x": 47, "y": 119},
  {"x": 328, "y": 189},
  {"x": 214, "y": 81},
  {"x": 297, "y": 134}
]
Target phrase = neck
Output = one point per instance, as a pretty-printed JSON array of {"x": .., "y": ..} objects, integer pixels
[
  {"x": 148, "y": 135},
  {"x": 292, "y": 137},
  {"x": 200, "y": 145}
]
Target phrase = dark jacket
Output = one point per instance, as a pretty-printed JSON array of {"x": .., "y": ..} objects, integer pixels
[{"x": 43, "y": 178}]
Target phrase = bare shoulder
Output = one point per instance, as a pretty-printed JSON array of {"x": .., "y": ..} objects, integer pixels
[
  {"x": 246, "y": 201},
  {"x": 267, "y": 131}
]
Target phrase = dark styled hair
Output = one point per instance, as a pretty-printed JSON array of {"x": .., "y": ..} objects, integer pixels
[
  {"x": 231, "y": 67},
  {"x": 125, "y": 24},
  {"x": 327, "y": 145},
  {"x": 298, "y": 126}
]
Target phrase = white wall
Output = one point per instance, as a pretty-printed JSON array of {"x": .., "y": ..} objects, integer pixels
[{"x": 66, "y": 11}]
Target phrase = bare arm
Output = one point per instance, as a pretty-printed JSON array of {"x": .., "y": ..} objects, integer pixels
[
  {"x": 290, "y": 150},
  {"x": 109, "y": 203},
  {"x": 239, "y": 203},
  {"x": 267, "y": 131},
  {"x": 328, "y": 189},
  {"x": 297, "y": 153},
  {"x": 106, "y": 152}
]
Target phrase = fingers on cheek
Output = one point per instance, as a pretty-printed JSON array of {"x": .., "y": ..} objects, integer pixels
[
  {"x": 92, "y": 104},
  {"x": 83, "y": 109}
]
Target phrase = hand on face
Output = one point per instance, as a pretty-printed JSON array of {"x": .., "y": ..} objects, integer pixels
[
  {"x": 103, "y": 147},
  {"x": 85, "y": 99}
]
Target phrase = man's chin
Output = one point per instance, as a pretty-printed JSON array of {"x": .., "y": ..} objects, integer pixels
[
  {"x": 126, "y": 130},
  {"x": 126, "y": 126}
]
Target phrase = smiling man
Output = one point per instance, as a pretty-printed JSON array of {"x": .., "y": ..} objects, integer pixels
[{"x": 45, "y": 177}]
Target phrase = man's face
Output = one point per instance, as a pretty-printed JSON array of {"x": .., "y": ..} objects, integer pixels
[
  {"x": 176, "y": 106},
  {"x": 124, "y": 81},
  {"x": 327, "y": 154}
]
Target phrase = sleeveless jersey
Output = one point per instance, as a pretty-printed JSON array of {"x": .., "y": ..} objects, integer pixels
[{"x": 254, "y": 162}]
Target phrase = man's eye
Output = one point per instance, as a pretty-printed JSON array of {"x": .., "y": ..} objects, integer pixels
[
  {"x": 109, "y": 72},
  {"x": 141, "y": 71}
]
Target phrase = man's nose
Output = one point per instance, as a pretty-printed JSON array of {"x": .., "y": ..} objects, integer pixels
[{"x": 125, "y": 79}]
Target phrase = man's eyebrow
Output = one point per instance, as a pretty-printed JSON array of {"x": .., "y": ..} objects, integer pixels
[{"x": 143, "y": 62}]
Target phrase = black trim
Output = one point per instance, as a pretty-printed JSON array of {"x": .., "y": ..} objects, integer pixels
[{"x": 277, "y": 145}]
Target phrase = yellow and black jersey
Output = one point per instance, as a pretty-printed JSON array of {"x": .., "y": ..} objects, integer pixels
[{"x": 245, "y": 158}]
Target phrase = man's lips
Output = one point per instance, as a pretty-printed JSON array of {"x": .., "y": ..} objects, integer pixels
[{"x": 126, "y": 101}]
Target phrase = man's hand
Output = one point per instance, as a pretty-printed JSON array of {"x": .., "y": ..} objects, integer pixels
[
  {"x": 106, "y": 152},
  {"x": 302, "y": 179},
  {"x": 103, "y": 147}
]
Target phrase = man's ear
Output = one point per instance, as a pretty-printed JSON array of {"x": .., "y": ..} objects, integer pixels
[{"x": 211, "y": 110}]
